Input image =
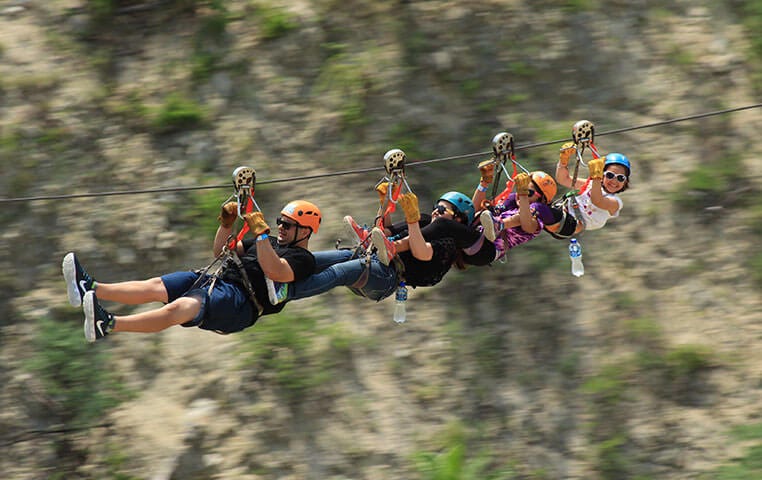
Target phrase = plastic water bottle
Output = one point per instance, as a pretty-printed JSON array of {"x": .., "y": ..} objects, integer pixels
[
  {"x": 575, "y": 254},
  {"x": 399, "y": 303}
]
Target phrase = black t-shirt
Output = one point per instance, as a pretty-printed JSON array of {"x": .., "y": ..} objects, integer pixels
[
  {"x": 301, "y": 261},
  {"x": 420, "y": 273},
  {"x": 441, "y": 234}
]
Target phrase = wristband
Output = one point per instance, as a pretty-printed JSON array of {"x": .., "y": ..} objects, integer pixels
[
  {"x": 481, "y": 188},
  {"x": 262, "y": 237}
]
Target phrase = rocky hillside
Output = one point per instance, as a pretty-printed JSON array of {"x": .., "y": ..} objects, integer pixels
[{"x": 647, "y": 367}]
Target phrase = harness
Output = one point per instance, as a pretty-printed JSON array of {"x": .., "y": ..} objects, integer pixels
[
  {"x": 394, "y": 165},
  {"x": 225, "y": 259},
  {"x": 358, "y": 288},
  {"x": 244, "y": 180},
  {"x": 583, "y": 134}
]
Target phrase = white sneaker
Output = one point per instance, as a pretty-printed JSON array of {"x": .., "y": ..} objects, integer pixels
[
  {"x": 384, "y": 248},
  {"x": 491, "y": 227}
]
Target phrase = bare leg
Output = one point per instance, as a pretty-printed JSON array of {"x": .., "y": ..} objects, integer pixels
[
  {"x": 133, "y": 292},
  {"x": 180, "y": 311}
]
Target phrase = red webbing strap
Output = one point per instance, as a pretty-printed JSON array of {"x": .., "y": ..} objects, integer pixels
[
  {"x": 249, "y": 208},
  {"x": 392, "y": 205}
]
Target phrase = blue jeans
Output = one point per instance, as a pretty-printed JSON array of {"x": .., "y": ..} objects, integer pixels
[{"x": 337, "y": 268}]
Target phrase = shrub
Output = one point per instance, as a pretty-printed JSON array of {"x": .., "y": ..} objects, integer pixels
[
  {"x": 454, "y": 463},
  {"x": 178, "y": 113},
  {"x": 274, "y": 22},
  {"x": 286, "y": 349},
  {"x": 75, "y": 374}
]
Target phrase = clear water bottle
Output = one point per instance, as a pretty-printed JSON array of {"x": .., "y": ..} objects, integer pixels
[
  {"x": 575, "y": 254},
  {"x": 399, "y": 303}
]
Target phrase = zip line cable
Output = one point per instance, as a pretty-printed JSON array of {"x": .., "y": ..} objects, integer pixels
[{"x": 373, "y": 169}]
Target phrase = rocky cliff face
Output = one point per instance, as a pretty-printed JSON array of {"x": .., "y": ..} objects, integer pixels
[{"x": 646, "y": 367}]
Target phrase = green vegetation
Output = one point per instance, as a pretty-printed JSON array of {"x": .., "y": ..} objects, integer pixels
[
  {"x": 178, "y": 113},
  {"x": 608, "y": 386},
  {"x": 521, "y": 69},
  {"x": 101, "y": 8},
  {"x": 208, "y": 44},
  {"x": 201, "y": 212},
  {"x": 752, "y": 18},
  {"x": 345, "y": 83},
  {"x": 75, "y": 374},
  {"x": 573, "y": 6},
  {"x": 754, "y": 224},
  {"x": 709, "y": 182},
  {"x": 295, "y": 353},
  {"x": 274, "y": 22},
  {"x": 680, "y": 56},
  {"x": 408, "y": 138},
  {"x": 453, "y": 462},
  {"x": 131, "y": 109},
  {"x": 675, "y": 373},
  {"x": 747, "y": 466}
]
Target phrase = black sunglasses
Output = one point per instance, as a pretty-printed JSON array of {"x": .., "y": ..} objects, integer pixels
[
  {"x": 441, "y": 209},
  {"x": 536, "y": 190},
  {"x": 286, "y": 225},
  {"x": 611, "y": 175}
]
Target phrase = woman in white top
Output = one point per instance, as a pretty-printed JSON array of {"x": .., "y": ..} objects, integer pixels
[{"x": 598, "y": 197}]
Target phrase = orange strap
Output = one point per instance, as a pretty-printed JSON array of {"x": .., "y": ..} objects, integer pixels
[
  {"x": 249, "y": 208},
  {"x": 391, "y": 205}
]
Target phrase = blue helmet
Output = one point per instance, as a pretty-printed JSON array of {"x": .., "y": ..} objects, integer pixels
[
  {"x": 462, "y": 204},
  {"x": 617, "y": 159}
]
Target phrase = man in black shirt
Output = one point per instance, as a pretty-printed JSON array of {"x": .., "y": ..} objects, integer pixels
[
  {"x": 225, "y": 304},
  {"x": 424, "y": 265}
]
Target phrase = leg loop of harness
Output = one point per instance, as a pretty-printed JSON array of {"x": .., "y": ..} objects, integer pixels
[
  {"x": 362, "y": 280},
  {"x": 567, "y": 225}
]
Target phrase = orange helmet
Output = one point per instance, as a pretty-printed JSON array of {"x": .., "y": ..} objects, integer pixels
[
  {"x": 304, "y": 213},
  {"x": 545, "y": 184}
]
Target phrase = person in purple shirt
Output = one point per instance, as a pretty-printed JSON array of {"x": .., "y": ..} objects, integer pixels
[
  {"x": 520, "y": 217},
  {"x": 516, "y": 220}
]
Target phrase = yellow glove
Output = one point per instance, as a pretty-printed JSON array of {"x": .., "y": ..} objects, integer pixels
[
  {"x": 595, "y": 166},
  {"x": 567, "y": 150},
  {"x": 487, "y": 169},
  {"x": 522, "y": 183},
  {"x": 409, "y": 204},
  {"x": 228, "y": 214},
  {"x": 382, "y": 188},
  {"x": 256, "y": 222}
]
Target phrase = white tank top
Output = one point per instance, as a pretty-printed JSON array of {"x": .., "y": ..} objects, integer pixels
[{"x": 591, "y": 216}]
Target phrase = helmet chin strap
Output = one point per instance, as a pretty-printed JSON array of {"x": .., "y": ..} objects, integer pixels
[{"x": 297, "y": 240}]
